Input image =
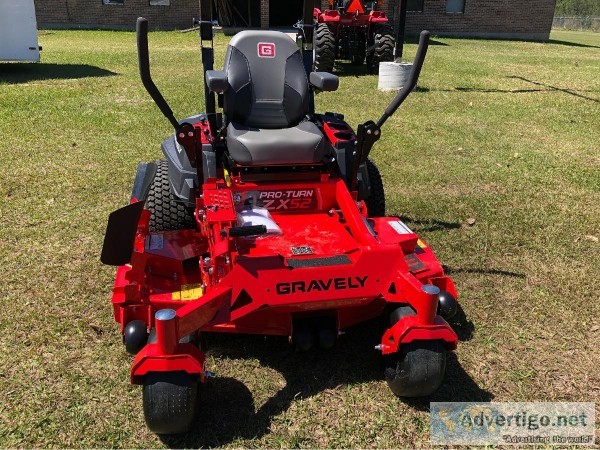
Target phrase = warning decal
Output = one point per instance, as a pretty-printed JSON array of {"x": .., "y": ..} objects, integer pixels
[
  {"x": 400, "y": 227},
  {"x": 188, "y": 292}
]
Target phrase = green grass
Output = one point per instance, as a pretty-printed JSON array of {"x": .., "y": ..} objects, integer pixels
[{"x": 506, "y": 133}]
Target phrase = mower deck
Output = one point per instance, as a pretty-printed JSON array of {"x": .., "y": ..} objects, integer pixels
[{"x": 320, "y": 263}]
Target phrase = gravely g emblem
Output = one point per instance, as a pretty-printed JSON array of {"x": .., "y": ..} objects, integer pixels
[
  {"x": 295, "y": 287},
  {"x": 266, "y": 50}
]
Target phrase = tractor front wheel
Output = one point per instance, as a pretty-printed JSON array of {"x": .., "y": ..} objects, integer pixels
[
  {"x": 381, "y": 47},
  {"x": 170, "y": 402},
  {"x": 417, "y": 370},
  {"x": 323, "y": 48}
]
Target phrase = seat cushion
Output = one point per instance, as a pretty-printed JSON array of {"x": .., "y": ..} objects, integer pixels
[{"x": 302, "y": 144}]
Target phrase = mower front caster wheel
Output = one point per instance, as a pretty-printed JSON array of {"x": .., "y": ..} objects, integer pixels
[
  {"x": 417, "y": 370},
  {"x": 135, "y": 336},
  {"x": 170, "y": 402}
]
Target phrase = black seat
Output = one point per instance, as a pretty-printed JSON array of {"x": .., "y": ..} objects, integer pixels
[{"x": 266, "y": 101}]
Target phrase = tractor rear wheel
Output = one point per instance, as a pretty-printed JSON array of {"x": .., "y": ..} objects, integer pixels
[
  {"x": 417, "y": 370},
  {"x": 167, "y": 214},
  {"x": 376, "y": 199},
  {"x": 323, "y": 48},
  {"x": 170, "y": 401},
  {"x": 381, "y": 47}
]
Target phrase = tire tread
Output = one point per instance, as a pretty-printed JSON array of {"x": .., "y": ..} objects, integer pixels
[
  {"x": 167, "y": 214},
  {"x": 376, "y": 199},
  {"x": 324, "y": 44},
  {"x": 383, "y": 44},
  {"x": 170, "y": 401}
]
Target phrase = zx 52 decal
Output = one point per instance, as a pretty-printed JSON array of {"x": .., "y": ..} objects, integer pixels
[{"x": 281, "y": 200}]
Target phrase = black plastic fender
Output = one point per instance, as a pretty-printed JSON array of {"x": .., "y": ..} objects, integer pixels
[
  {"x": 182, "y": 175},
  {"x": 120, "y": 234},
  {"x": 143, "y": 179}
]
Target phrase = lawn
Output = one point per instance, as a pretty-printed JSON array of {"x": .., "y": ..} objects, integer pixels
[{"x": 505, "y": 133}]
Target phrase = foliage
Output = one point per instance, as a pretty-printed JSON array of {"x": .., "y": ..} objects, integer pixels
[{"x": 577, "y": 8}]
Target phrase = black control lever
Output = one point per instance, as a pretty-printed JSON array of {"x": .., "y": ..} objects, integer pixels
[
  {"x": 184, "y": 132},
  {"x": 144, "y": 65},
  {"x": 369, "y": 132},
  {"x": 412, "y": 79},
  {"x": 366, "y": 135}
]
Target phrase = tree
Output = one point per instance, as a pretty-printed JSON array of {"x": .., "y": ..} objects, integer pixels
[{"x": 578, "y": 8}]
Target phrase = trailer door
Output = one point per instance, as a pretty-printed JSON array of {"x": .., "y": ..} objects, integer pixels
[{"x": 18, "y": 31}]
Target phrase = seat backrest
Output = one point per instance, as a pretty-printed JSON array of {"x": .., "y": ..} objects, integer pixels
[{"x": 267, "y": 82}]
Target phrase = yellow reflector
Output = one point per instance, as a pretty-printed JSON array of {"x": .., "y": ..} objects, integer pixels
[{"x": 188, "y": 292}]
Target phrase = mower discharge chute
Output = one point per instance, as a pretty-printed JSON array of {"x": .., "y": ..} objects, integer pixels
[{"x": 268, "y": 219}]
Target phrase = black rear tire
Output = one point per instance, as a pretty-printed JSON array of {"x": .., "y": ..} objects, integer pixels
[
  {"x": 382, "y": 47},
  {"x": 167, "y": 214},
  {"x": 324, "y": 48},
  {"x": 170, "y": 402},
  {"x": 417, "y": 370},
  {"x": 376, "y": 199}
]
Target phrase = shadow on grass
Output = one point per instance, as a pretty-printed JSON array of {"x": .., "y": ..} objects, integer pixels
[
  {"x": 228, "y": 411},
  {"x": 430, "y": 224},
  {"x": 414, "y": 39},
  {"x": 496, "y": 91},
  {"x": 15, "y": 73},
  {"x": 542, "y": 88},
  {"x": 504, "y": 273},
  {"x": 347, "y": 69},
  {"x": 462, "y": 326},
  {"x": 570, "y": 44},
  {"x": 457, "y": 386},
  {"x": 554, "y": 88}
]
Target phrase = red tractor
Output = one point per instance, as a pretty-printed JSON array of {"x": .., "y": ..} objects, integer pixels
[
  {"x": 353, "y": 30},
  {"x": 268, "y": 218}
]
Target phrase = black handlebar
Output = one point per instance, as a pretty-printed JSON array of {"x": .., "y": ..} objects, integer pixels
[
  {"x": 144, "y": 65},
  {"x": 412, "y": 79}
]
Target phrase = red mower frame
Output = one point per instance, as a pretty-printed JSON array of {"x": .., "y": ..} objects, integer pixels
[
  {"x": 331, "y": 267},
  {"x": 215, "y": 282}
]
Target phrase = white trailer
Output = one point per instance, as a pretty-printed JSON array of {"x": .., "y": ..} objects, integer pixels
[{"x": 18, "y": 31}]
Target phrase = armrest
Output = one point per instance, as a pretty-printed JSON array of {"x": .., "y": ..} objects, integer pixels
[
  {"x": 216, "y": 80},
  {"x": 324, "y": 81}
]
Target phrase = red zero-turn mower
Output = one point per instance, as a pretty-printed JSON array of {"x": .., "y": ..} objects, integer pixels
[{"x": 268, "y": 219}]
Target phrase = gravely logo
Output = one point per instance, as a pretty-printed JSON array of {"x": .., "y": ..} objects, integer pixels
[{"x": 295, "y": 287}]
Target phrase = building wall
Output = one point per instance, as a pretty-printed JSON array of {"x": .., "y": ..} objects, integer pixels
[
  {"x": 264, "y": 13},
  {"x": 95, "y": 14},
  {"x": 515, "y": 19}
]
